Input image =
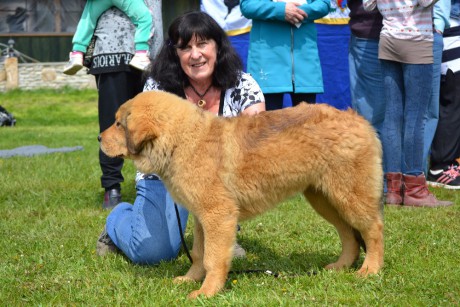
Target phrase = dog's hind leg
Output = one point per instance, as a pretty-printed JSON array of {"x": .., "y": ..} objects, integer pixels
[
  {"x": 350, "y": 246},
  {"x": 196, "y": 271},
  {"x": 219, "y": 229},
  {"x": 372, "y": 234},
  {"x": 364, "y": 215}
]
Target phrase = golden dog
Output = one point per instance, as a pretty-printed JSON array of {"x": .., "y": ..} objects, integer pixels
[{"x": 228, "y": 169}]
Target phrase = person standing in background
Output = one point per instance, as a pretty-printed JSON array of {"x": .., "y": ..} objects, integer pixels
[
  {"x": 17, "y": 20},
  {"x": 140, "y": 17},
  {"x": 283, "y": 52},
  {"x": 406, "y": 55},
  {"x": 117, "y": 81},
  {"x": 445, "y": 151},
  {"x": 441, "y": 12},
  {"x": 366, "y": 79},
  {"x": 228, "y": 15}
]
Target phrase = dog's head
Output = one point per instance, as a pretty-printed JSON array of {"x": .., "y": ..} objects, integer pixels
[
  {"x": 130, "y": 131},
  {"x": 138, "y": 124}
]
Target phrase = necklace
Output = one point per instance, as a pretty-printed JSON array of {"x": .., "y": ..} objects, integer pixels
[{"x": 201, "y": 103}]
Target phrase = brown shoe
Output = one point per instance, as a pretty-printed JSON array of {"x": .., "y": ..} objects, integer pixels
[
  {"x": 394, "y": 189},
  {"x": 416, "y": 193}
]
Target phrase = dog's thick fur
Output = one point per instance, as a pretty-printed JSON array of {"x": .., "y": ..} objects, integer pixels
[{"x": 228, "y": 169}]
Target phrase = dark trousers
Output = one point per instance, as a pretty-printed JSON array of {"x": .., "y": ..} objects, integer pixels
[
  {"x": 445, "y": 148},
  {"x": 275, "y": 101},
  {"x": 114, "y": 90}
]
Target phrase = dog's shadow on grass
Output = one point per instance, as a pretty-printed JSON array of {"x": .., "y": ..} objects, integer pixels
[
  {"x": 261, "y": 261},
  {"x": 260, "y": 258}
]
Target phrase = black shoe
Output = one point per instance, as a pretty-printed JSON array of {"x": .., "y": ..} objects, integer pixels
[
  {"x": 111, "y": 199},
  {"x": 105, "y": 245}
]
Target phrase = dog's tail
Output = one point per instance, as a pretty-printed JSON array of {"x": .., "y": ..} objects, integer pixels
[{"x": 359, "y": 238}]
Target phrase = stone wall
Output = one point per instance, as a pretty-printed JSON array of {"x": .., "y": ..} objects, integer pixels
[{"x": 29, "y": 76}]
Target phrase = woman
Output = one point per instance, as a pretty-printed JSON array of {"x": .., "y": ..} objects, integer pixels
[
  {"x": 196, "y": 63},
  {"x": 117, "y": 81},
  {"x": 444, "y": 166},
  {"x": 283, "y": 51},
  {"x": 366, "y": 81},
  {"x": 406, "y": 55}
]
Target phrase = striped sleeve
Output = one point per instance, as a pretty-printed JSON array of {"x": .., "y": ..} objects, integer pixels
[{"x": 451, "y": 52}]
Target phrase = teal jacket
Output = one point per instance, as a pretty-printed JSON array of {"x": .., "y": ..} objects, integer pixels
[{"x": 283, "y": 58}]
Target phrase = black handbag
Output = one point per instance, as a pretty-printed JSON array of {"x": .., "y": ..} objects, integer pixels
[{"x": 6, "y": 118}]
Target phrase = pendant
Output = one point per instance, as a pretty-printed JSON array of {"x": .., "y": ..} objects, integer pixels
[{"x": 201, "y": 103}]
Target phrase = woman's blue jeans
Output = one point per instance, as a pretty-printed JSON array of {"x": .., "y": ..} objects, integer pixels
[
  {"x": 408, "y": 90},
  {"x": 148, "y": 231}
]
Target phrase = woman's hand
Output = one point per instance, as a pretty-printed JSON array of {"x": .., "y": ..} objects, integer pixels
[
  {"x": 254, "y": 109},
  {"x": 293, "y": 14}
]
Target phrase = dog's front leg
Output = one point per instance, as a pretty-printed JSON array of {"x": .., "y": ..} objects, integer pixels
[
  {"x": 219, "y": 239},
  {"x": 197, "y": 270}
]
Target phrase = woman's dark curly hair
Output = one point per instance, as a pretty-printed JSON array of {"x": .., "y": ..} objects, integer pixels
[{"x": 166, "y": 69}]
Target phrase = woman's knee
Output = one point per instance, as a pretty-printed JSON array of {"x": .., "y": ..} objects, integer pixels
[{"x": 148, "y": 253}]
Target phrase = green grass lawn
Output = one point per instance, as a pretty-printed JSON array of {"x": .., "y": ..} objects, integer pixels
[{"x": 51, "y": 216}]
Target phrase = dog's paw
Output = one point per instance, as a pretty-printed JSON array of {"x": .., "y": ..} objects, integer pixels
[
  {"x": 194, "y": 294},
  {"x": 182, "y": 279},
  {"x": 334, "y": 266},
  {"x": 365, "y": 271}
]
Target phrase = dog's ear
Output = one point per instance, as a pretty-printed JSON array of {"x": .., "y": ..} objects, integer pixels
[{"x": 139, "y": 130}]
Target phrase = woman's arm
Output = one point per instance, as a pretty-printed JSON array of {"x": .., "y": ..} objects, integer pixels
[
  {"x": 254, "y": 109},
  {"x": 427, "y": 3},
  {"x": 250, "y": 98},
  {"x": 263, "y": 9},
  {"x": 316, "y": 9},
  {"x": 441, "y": 14}
]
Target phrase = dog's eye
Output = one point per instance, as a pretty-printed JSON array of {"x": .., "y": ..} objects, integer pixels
[{"x": 117, "y": 124}]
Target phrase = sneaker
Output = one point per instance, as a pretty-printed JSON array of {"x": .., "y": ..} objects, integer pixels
[
  {"x": 75, "y": 63},
  {"x": 105, "y": 245},
  {"x": 140, "y": 61},
  {"x": 446, "y": 178},
  {"x": 111, "y": 199},
  {"x": 238, "y": 251}
]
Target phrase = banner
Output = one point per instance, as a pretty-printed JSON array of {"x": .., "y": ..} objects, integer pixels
[{"x": 338, "y": 14}]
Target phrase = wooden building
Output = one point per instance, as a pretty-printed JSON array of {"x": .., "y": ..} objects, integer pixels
[{"x": 43, "y": 29}]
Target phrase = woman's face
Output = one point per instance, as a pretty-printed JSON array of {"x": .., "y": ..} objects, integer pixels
[{"x": 198, "y": 58}]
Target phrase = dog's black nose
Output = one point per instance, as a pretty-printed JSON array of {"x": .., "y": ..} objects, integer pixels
[{"x": 99, "y": 138}]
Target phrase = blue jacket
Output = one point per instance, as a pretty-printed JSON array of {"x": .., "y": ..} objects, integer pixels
[{"x": 283, "y": 58}]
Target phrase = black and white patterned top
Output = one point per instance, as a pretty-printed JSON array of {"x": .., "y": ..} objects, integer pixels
[{"x": 236, "y": 99}]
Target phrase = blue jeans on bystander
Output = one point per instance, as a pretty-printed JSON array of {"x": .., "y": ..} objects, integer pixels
[
  {"x": 432, "y": 114},
  {"x": 366, "y": 80},
  {"x": 407, "y": 94}
]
